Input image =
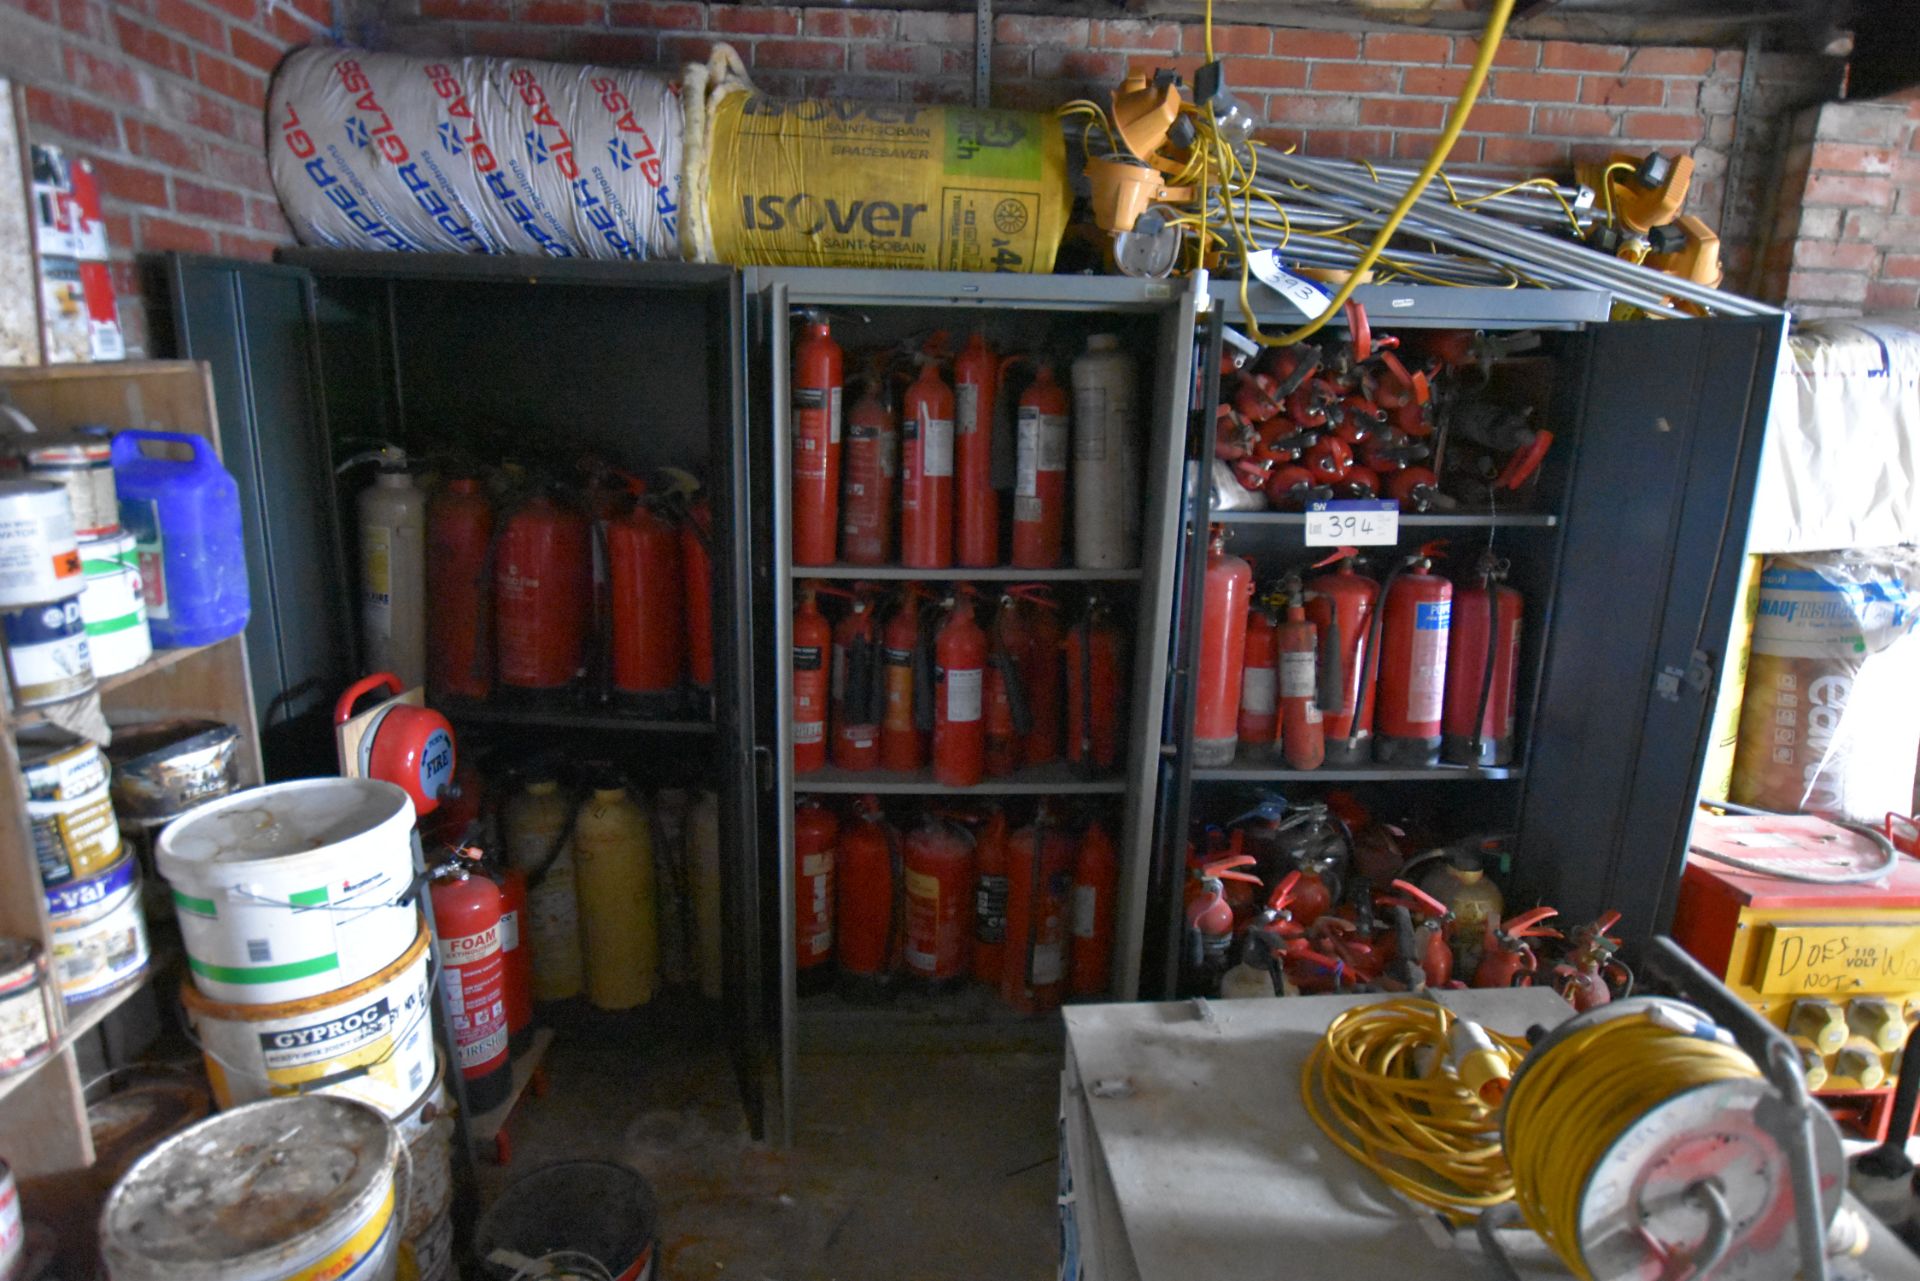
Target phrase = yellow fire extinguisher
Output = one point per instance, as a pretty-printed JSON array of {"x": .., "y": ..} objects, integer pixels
[{"x": 613, "y": 849}]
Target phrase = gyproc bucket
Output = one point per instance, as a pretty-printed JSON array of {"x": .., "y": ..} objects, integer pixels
[
  {"x": 371, "y": 1041},
  {"x": 596, "y": 1208},
  {"x": 286, "y": 1190},
  {"x": 294, "y": 889}
]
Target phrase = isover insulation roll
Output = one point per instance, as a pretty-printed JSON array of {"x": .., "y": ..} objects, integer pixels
[
  {"x": 828, "y": 182},
  {"x": 476, "y": 155}
]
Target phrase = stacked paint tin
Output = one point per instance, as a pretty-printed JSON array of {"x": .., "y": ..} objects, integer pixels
[
  {"x": 48, "y": 659},
  {"x": 310, "y": 965}
]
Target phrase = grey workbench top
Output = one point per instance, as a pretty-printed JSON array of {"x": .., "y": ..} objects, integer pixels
[{"x": 1217, "y": 1171}]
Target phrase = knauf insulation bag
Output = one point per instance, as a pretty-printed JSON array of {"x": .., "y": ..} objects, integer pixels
[
  {"x": 480, "y": 155},
  {"x": 828, "y": 182},
  {"x": 1828, "y": 721}
]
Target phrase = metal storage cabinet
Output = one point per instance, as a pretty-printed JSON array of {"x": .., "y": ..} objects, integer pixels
[
  {"x": 1157, "y": 318},
  {"x": 1628, "y": 559},
  {"x": 642, "y": 361}
]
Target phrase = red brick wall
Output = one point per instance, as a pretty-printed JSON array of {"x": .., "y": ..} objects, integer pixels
[{"x": 166, "y": 98}]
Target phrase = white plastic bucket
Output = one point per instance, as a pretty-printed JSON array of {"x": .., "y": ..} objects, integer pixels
[
  {"x": 99, "y": 933},
  {"x": 113, "y": 604},
  {"x": 371, "y": 1041},
  {"x": 294, "y": 889},
  {"x": 287, "y": 1190}
]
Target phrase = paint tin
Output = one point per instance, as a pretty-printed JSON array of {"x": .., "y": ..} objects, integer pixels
[
  {"x": 69, "y": 808},
  {"x": 286, "y": 1190},
  {"x": 47, "y": 655},
  {"x": 293, "y": 889},
  {"x": 163, "y": 769},
  {"x": 99, "y": 932},
  {"x": 81, "y": 463},
  {"x": 30, "y": 1014},
  {"x": 431, "y": 1189},
  {"x": 371, "y": 1041},
  {"x": 129, "y": 1122},
  {"x": 428, "y": 1256},
  {"x": 113, "y": 605},
  {"x": 39, "y": 553},
  {"x": 13, "y": 1233}
]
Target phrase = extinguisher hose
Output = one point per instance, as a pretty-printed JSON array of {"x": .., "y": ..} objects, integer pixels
[
  {"x": 1034, "y": 892},
  {"x": 1085, "y": 627},
  {"x": 1486, "y": 677},
  {"x": 1370, "y": 667},
  {"x": 1009, "y": 671},
  {"x": 923, "y": 669}
]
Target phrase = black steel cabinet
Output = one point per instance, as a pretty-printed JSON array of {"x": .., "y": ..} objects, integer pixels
[{"x": 490, "y": 358}]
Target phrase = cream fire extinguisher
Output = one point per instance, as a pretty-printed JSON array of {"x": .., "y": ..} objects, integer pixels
[
  {"x": 392, "y": 523},
  {"x": 1105, "y": 483}
]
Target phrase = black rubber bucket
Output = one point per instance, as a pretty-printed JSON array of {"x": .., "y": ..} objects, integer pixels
[{"x": 594, "y": 1208}]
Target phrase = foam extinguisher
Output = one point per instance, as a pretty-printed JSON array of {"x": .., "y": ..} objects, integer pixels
[
  {"x": 989, "y": 894},
  {"x": 1259, "y": 683},
  {"x": 1096, "y": 879},
  {"x": 1039, "y": 881},
  {"x": 938, "y": 861},
  {"x": 1223, "y": 652},
  {"x": 868, "y": 909},
  {"x": 516, "y": 952},
  {"x": 460, "y": 585},
  {"x": 1483, "y": 664},
  {"x": 1409, "y": 645},
  {"x": 1105, "y": 456},
  {"x": 648, "y": 591},
  {"x": 812, "y": 643},
  {"x": 1041, "y": 435},
  {"x": 926, "y": 470},
  {"x": 872, "y": 457},
  {"x": 543, "y": 595},
  {"x": 976, "y": 386},
  {"x": 1009, "y": 719},
  {"x": 959, "y": 723},
  {"x": 1341, "y": 606},
  {"x": 1043, "y": 674},
  {"x": 696, "y": 567},
  {"x": 466, "y": 923},
  {"x": 392, "y": 526},
  {"x": 903, "y": 729},
  {"x": 1096, "y": 687},
  {"x": 816, "y": 441},
  {"x": 858, "y": 700},
  {"x": 815, "y": 835},
  {"x": 1303, "y": 689}
]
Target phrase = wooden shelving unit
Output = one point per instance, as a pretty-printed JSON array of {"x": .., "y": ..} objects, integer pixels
[{"x": 43, "y": 1124}]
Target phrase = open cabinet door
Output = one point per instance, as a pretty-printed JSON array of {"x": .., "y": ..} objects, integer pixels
[
  {"x": 254, "y": 324},
  {"x": 1668, "y": 419}
]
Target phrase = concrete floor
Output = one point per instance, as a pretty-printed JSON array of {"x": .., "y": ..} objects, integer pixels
[{"x": 905, "y": 1166}]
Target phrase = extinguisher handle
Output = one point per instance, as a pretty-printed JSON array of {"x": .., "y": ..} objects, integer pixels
[
  {"x": 1525, "y": 462},
  {"x": 1361, "y": 331},
  {"x": 343, "y": 710},
  {"x": 1016, "y": 691}
]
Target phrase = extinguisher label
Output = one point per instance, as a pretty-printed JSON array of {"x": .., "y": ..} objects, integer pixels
[
  {"x": 1297, "y": 674},
  {"x": 833, "y": 417},
  {"x": 963, "y": 694},
  {"x": 376, "y": 579},
  {"x": 1086, "y": 905},
  {"x": 1042, "y": 446},
  {"x": 806, "y": 658},
  {"x": 1427, "y": 687},
  {"x": 509, "y": 931},
  {"x": 966, "y": 408},
  {"x": 837, "y": 681},
  {"x": 990, "y": 909},
  {"x": 1049, "y": 963},
  {"x": 1090, "y": 442},
  {"x": 809, "y": 731},
  {"x": 1256, "y": 690},
  {"x": 936, "y": 447},
  {"x": 141, "y": 517}
]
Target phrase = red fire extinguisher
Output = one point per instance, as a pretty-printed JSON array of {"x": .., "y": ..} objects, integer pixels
[
  {"x": 989, "y": 894},
  {"x": 543, "y": 595},
  {"x": 649, "y": 596},
  {"x": 959, "y": 726},
  {"x": 926, "y": 471},
  {"x": 696, "y": 563},
  {"x": 1223, "y": 652},
  {"x": 872, "y": 456},
  {"x": 812, "y": 639},
  {"x": 1009, "y": 720},
  {"x": 516, "y": 955},
  {"x": 903, "y": 740},
  {"x": 1209, "y": 919},
  {"x": 976, "y": 384},
  {"x": 459, "y": 641},
  {"x": 938, "y": 861},
  {"x": 1039, "y": 880},
  {"x": 1483, "y": 664},
  {"x": 1302, "y": 727},
  {"x": 1096, "y": 879},
  {"x": 1096, "y": 687},
  {"x": 858, "y": 699},
  {"x": 815, "y": 831},
  {"x": 1259, "y": 683},
  {"x": 1043, "y": 427},
  {"x": 868, "y": 913},
  {"x": 1042, "y": 676},
  {"x": 1410, "y": 644},
  {"x": 816, "y": 442},
  {"x": 466, "y": 921},
  {"x": 1341, "y": 606}
]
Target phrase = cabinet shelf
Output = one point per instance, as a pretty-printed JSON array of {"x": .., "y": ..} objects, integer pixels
[
  {"x": 997, "y": 574},
  {"x": 1250, "y": 772},
  {"x": 82, "y": 1018},
  {"x": 1408, "y": 520},
  {"x": 160, "y": 662},
  {"x": 475, "y": 712},
  {"x": 1058, "y": 778}
]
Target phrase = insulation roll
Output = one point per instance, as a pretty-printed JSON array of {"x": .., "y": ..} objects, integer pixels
[{"x": 476, "y": 155}]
